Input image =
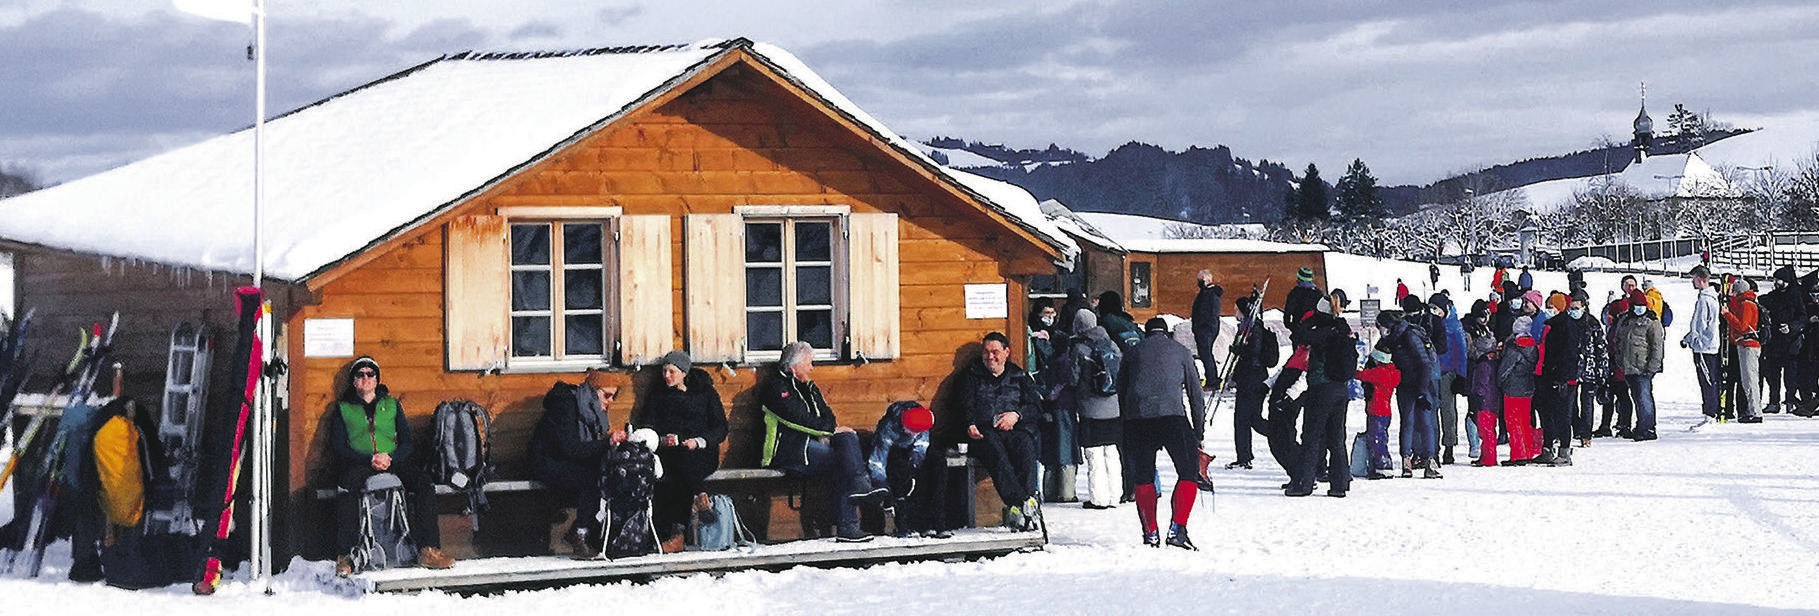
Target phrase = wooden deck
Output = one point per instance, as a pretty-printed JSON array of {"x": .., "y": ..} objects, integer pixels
[{"x": 546, "y": 571}]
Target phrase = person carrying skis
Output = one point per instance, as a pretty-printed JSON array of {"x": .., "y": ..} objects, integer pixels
[
  {"x": 368, "y": 434},
  {"x": 1744, "y": 317},
  {"x": 1255, "y": 353}
]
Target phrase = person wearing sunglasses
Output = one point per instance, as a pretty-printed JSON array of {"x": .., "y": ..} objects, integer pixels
[
  {"x": 565, "y": 452},
  {"x": 368, "y": 434}
]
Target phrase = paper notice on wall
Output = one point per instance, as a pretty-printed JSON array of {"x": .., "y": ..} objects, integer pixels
[
  {"x": 328, "y": 337},
  {"x": 987, "y": 301}
]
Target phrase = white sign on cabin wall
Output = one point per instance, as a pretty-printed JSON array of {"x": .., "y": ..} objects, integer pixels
[
  {"x": 987, "y": 301},
  {"x": 328, "y": 337}
]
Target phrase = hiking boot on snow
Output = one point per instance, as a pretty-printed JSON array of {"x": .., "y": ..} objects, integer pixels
[
  {"x": 1446, "y": 457},
  {"x": 433, "y": 558},
  {"x": 1235, "y": 465},
  {"x": 1152, "y": 539},
  {"x": 1177, "y": 536},
  {"x": 1564, "y": 457},
  {"x": 1432, "y": 471},
  {"x": 576, "y": 538},
  {"x": 344, "y": 566}
]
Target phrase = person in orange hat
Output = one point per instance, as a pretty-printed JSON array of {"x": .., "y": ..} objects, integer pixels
[{"x": 899, "y": 448}]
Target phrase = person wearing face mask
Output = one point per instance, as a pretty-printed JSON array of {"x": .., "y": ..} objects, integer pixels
[
  {"x": 1640, "y": 343},
  {"x": 1572, "y": 356},
  {"x": 1047, "y": 349},
  {"x": 1206, "y": 318},
  {"x": 1787, "y": 304}
]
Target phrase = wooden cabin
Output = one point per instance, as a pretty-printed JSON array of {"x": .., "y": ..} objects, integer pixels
[{"x": 485, "y": 225}]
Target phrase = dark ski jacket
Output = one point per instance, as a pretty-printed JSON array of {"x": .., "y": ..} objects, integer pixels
[
  {"x": 572, "y": 435},
  {"x": 1208, "y": 304},
  {"x": 1572, "y": 350},
  {"x": 696, "y": 413},
  {"x": 1785, "y": 307},
  {"x": 1156, "y": 374},
  {"x": 1516, "y": 372},
  {"x": 1412, "y": 351},
  {"x": 983, "y": 397},
  {"x": 794, "y": 412},
  {"x": 1332, "y": 354},
  {"x": 1256, "y": 354},
  {"x": 1301, "y": 300}
]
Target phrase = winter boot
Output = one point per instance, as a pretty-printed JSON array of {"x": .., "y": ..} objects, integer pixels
[
  {"x": 1446, "y": 457},
  {"x": 1432, "y": 470},
  {"x": 1564, "y": 457},
  {"x": 1152, "y": 538},
  {"x": 1408, "y": 469},
  {"x": 433, "y": 558},
  {"x": 1032, "y": 515},
  {"x": 1546, "y": 458},
  {"x": 1177, "y": 536}
]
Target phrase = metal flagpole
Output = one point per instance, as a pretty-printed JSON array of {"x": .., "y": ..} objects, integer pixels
[{"x": 260, "y": 534}]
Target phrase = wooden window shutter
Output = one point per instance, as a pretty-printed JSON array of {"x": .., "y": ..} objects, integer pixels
[
  {"x": 646, "y": 311},
  {"x": 873, "y": 320},
  {"x": 714, "y": 285},
  {"x": 476, "y": 275}
]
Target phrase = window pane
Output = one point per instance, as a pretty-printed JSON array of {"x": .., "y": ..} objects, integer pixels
[
  {"x": 584, "y": 335},
  {"x": 763, "y": 286},
  {"x": 530, "y": 337},
  {"x": 530, "y": 290},
  {"x": 816, "y": 327},
  {"x": 764, "y": 331},
  {"x": 763, "y": 242},
  {"x": 530, "y": 244},
  {"x": 581, "y": 244},
  {"x": 812, "y": 241},
  {"x": 581, "y": 289},
  {"x": 814, "y": 286}
]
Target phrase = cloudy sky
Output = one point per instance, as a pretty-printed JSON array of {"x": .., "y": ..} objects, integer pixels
[{"x": 1419, "y": 89}]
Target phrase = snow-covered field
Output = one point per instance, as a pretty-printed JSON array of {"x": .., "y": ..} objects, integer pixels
[{"x": 1720, "y": 521}]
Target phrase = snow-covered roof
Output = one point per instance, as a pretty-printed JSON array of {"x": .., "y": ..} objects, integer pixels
[
  {"x": 1125, "y": 227},
  {"x": 1075, "y": 226},
  {"x": 347, "y": 172},
  {"x": 1218, "y": 245},
  {"x": 1656, "y": 177}
]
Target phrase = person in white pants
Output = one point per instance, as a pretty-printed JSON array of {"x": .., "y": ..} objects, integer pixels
[{"x": 1095, "y": 356}]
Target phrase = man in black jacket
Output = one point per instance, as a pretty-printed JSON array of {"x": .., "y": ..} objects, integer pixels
[
  {"x": 1786, "y": 305},
  {"x": 368, "y": 434},
  {"x": 802, "y": 438},
  {"x": 1206, "y": 318},
  {"x": 1301, "y": 299},
  {"x": 1254, "y": 353},
  {"x": 1000, "y": 405},
  {"x": 1331, "y": 363}
]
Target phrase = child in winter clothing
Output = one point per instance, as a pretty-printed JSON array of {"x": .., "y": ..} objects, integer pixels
[
  {"x": 1483, "y": 399},
  {"x": 1380, "y": 378},
  {"x": 899, "y": 448},
  {"x": 1516, "y": 377}
]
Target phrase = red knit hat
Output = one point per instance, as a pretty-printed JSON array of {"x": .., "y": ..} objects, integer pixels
[
  {"x": 1638, "y": 298},
  {"x": 918, "y": 419}
]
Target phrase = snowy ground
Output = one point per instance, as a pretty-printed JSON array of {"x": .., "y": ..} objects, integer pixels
[{"x": 1720, "y": 521}]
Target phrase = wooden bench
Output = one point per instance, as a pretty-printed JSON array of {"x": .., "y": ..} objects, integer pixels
[{"x": 532, "y": 485}]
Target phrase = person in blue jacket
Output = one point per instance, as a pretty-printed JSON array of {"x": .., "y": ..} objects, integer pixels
[{"x": 899, "y": 462}]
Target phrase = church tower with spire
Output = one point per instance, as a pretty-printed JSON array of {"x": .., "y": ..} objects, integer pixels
[{"x": 1645, "y": 128}]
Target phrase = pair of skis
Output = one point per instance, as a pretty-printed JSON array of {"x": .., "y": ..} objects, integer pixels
[
  {"x": 77, "y": 384},
  {"x": 1244, "y": 335},
  {"x": 249, "y": 361}
]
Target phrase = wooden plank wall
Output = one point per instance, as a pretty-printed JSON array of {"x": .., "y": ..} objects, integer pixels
[
  {"x": 737, "y": 139},
  {"x": 1176, "y": 277}
]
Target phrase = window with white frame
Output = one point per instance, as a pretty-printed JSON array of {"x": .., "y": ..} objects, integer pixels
[
  {"x": 559, "y": 290},
  {"x": 793, "y": 285}
]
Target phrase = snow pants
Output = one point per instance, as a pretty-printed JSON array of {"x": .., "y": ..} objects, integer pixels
[
  {"x": 1377, "y": 441},
  {"x": 1518, "y": 417},
  {"x": 1447, "y": 404},
  {"x": 1779, "y": 371},
  {"x": 1104, "y": 475}
]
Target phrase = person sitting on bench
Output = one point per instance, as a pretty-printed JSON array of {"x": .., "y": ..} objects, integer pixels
[
  {"x": 802, "y": 437},
  {"x": 899, "y": 462},
  {"x": 566, "y": 450},
  {"x": 368, "y": 434},
  {"x": 690, "y": 422}
]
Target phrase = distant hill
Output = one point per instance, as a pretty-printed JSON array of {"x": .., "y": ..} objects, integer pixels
[
  {"x": 1211, "y": 186},
  {"x": 15, "y": 182},
  {"x": 1199, "y": 185}
]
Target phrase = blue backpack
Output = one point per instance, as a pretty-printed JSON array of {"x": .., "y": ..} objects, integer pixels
[
  {"x": 722, "y": 529},
  {"x": 1102, "y": 366}
]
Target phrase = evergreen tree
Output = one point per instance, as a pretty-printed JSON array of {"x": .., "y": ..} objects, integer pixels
[
  {"x": 1359, "y": 199},
  {"x": 1308, "y": 202}
]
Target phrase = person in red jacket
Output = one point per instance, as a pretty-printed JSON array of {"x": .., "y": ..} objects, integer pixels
[
  {"x": 1380, "y": 377},
  {"x": 1743, "y": 316}
]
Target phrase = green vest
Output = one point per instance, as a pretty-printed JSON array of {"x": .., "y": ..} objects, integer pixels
[{"x": 380, "y": 436}]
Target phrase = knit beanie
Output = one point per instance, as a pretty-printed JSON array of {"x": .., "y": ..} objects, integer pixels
[
  {"x": 678, "y": 359},
  {"x": 1306, "y": 274},
  {"x": 365, "y": 361},
  {"x": 918, "y": 419}
]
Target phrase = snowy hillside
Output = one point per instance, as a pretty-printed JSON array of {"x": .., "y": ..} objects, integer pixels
[{"x": 1720, "y": 521}]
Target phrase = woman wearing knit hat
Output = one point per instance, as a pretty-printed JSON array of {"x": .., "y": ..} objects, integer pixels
[{"x": 690, "y": 422}]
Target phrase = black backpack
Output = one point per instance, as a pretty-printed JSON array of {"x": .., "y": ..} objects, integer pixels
[
  {"x": 463, "y": 454},
  {"x": 1102, "y": 366},
  {"x": 628, "y": 479}
]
